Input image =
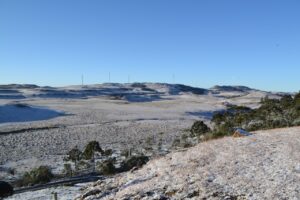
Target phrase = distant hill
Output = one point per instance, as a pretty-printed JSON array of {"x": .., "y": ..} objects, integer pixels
[
  {"x": 227, "y": 88},
  {"x": 18, "y": 86},
  {"x": 135, "y": 92}
]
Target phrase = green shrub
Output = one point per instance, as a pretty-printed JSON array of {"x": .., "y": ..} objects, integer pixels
[
  {"x": 38, "y": 175},
  {"x": 107, "y": 167},
  {"x": 273, "y": 113},
  {"x": 74, "y": 154},
  {"x": 90, "y": 149},
  {"x": 199, "y": 128},
  {"x": 218, "y": 118}
]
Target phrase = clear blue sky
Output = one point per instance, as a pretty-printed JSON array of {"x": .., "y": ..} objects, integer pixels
[{"x": 202, "y": 42}]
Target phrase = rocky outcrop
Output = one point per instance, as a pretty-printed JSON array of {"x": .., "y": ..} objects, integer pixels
[{"x": 265, "y": 165}]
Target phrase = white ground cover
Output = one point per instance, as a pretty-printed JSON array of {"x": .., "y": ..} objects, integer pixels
[{"x": 108, "y": 113}]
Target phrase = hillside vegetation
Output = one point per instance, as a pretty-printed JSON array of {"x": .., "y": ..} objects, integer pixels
[{"x": 273, "y": 113}]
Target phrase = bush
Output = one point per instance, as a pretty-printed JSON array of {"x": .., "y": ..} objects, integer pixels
[
  {"x": 90, "y": 149},
  {"x": 199, "y": 128},
  {"x": 74, "y": 155},
  {"x": 107, "y": 167},
  {"x": 273, "y": 113},
  {"x": 38, "y": 175},
  {"x": 134, "y": 161},
  {"x": 218, "y": 118}
]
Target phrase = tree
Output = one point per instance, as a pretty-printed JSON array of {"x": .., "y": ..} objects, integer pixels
[
  {"x": 90, "y": 149},
  {"x": 74, "y": 155}
]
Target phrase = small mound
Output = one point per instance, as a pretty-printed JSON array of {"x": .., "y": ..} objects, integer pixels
[{"x": 25, "y": 113}]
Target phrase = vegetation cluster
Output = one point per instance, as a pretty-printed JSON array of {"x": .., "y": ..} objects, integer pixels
[{"x": 273, "y": 113}]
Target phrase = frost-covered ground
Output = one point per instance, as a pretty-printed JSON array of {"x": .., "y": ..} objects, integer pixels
[
  {"x": 265, "y": 165},
  {"x": 54, "y": 120},
  {"x": 63, "y": 193}
]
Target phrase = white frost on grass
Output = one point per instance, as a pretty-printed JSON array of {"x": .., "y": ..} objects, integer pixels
[
  {"x": 263, "y": 166},
  {"x": 115, "y": 123},
  {"x": 63, "y": 193}
]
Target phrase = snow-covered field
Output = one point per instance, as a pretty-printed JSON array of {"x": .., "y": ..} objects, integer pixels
[
  {"x": 265, "y": 165},
  {"x": 38, "y": 125}
]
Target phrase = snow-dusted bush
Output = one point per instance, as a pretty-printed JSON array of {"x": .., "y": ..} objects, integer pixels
[
  {"x": 38, "y": 175},
  {"x": 90, "y": 149},
  {"x": 107, "y": 167},
  {"x": 199, "y": 128}
]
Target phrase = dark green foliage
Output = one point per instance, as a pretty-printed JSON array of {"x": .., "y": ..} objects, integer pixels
[
  {"x": 90, "y": 149},
  {"x": 74, "y": 155},
  {"x": 297, "y": 101},
  {"x": 218, "y": 118},
  {"x": 273, "y": 113},
  {"x": 38, "y": 175},
  {"x": 134, "y": 161},
  {"x": 234, "y": 109},
  {"x": 287, "y": 101},
  {"x": 107, "y": 167},
  {"x": 199, "y": 128}
]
